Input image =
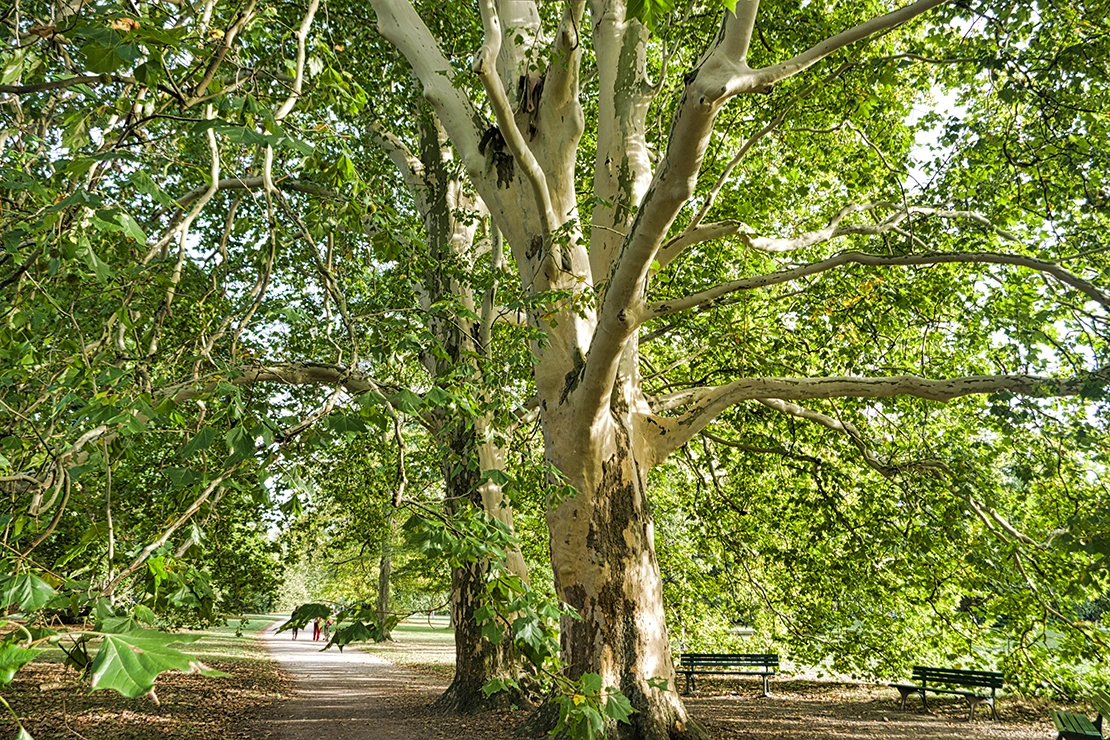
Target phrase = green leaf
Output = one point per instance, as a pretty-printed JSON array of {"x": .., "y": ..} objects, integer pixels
[
  {"x": 144, "y": 614},
  {"x": 99, "y": 267},
  {"x": 651, "y": 12},
  {"x": 304, "y": 614},
  {"x": 492, "y": 631},
  {"x": 75, "y": 132},
  {"x": 12, "y": 658},
  {"x": 23, "y": 734},
  {"x": 26, "y": 592},
  {"x": 12, "y": 69},
  {"x": 102, "y": 59},
  {"x": 203, "y": 439},
  {"x": 590, "y": 683},
  {"x": 240, "y": 443},
  {"x": 406, "y": 401},
  {"x": 493, "y": 686},
  {"x": 129, "y": 663},
  {"x": 438, "y": 397},
  {"x": 343, "y": 424},
  {"x": 131, "y": 228},
  {"x": 619, "y": 707}
]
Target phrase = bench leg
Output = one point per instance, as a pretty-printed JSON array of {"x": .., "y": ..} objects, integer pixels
[
  {"x": 766, "y": 691},
  {"x": 974, "y": 701},
  {"x": 686, "y": 692},
  {"x": 905, "y": 694}
]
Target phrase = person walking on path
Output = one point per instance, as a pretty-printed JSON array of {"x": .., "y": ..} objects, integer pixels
[
  {"x": 316, "y": 628},
  {"x": 295, "y": 631},
  {"x": 327, "y": 629}
]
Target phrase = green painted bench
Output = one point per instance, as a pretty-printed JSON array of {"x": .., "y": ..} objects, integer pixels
[
  {"x": 941, "y": 681},
  {"x": 1071, "y": 726},
  {"x": 734, "y": 664}
]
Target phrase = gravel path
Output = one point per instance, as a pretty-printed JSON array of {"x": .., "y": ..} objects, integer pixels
[{"x": 345, "y": 695}]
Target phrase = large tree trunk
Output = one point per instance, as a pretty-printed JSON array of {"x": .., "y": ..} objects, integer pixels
[{"x": 603, "y": 556}]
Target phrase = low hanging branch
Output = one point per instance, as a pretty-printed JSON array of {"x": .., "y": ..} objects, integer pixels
[
  {"x": 184, "y": 517},
  {"x": 710, "y": 402},
  {"x": 709, "y": 297}
]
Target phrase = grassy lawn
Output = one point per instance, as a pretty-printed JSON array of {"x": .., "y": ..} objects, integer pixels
[{"x": 418, "y": 645}]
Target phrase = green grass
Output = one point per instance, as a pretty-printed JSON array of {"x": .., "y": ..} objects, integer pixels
[
  {"x": 221, "y": 643},
  {"x": 419, "y": 646},
  {"x": 215, "y": 643}
]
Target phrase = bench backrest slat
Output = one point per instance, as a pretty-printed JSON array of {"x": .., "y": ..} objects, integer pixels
[
  {"x": 729, "y": 659},
  {"x": 1100, "y": 700},
  {"x": 953, "y": 676}
]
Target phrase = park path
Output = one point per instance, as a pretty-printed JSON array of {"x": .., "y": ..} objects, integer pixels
[{"x": 347, "y": 695}]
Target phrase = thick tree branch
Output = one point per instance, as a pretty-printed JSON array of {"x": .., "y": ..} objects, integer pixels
[
  {"x": 285, "y": 373},
  {"x": 705, "y": 298},
  {"x": 676, "y": 432},
  {"x": 399, "y": 23},
  {"x": 407, "y": 163},
  {"x": 739, "y": 40},
  {"x": 485, "y": 66},
  {"x": 722, "y": 74},
  {"x": 809, "y": 57},
  {"x": 561, "y": 85}
]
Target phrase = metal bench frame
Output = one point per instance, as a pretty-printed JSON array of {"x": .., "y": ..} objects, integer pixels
[
  {"x": 953, "y": 677},
  {"x": 693, "y": 664}
]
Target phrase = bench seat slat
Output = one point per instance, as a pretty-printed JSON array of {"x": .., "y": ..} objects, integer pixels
[{"x": 1071, "y": 726}]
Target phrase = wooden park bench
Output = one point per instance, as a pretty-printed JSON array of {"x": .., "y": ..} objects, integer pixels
[
  {"x": 949, "y": 677},
  {"x": 1070, "y": 726},
  {"x": 726, "y": 664}
]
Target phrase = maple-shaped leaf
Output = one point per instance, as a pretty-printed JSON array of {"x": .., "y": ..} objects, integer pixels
[
  {"x": 25, "y": 592},
  {"x": 12, "y": 658},
  {"x": 129, "y": 663}
]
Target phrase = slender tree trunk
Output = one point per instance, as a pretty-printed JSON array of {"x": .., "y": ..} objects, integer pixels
[
  {"x": 466, "y": 452},
  {"x": 385, "y": 571}
]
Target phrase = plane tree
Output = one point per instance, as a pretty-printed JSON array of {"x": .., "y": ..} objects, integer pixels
[
  {"x": 762, "y": 156},
  {"x": 722, "y": 225}
]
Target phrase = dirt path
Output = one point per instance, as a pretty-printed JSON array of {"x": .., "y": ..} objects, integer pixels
[
  {"x": 348, "y": 695},
  {"x": 359, "y": 696}
]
